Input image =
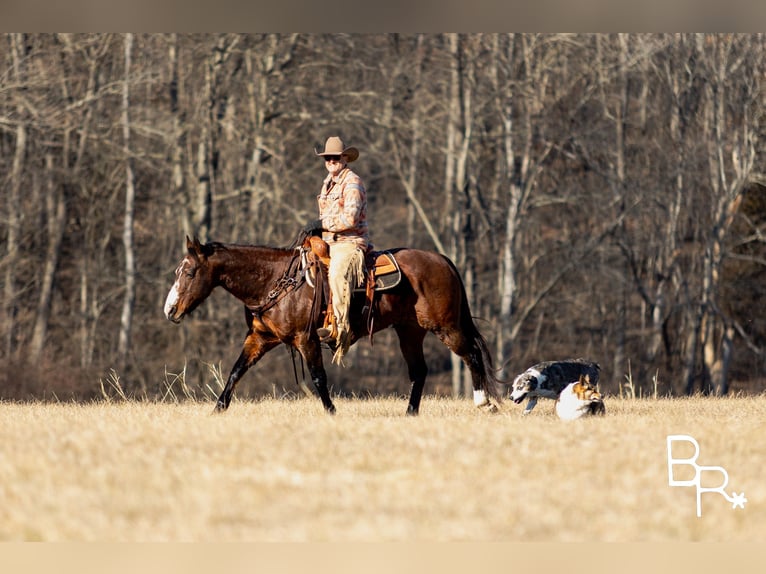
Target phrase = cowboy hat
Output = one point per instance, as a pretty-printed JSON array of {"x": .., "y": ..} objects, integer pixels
[{"x": 335, "y": 146}]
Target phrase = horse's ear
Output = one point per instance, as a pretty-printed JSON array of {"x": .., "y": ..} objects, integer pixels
[{"x": 193, "y": 246}]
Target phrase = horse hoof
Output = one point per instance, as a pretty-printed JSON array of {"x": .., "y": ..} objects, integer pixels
[{"x": 489, "y": 408}]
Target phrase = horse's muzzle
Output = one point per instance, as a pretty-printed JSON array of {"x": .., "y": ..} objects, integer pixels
[{"x": 172, "y": 316}]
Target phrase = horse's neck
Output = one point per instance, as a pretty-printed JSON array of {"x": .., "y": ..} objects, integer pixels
[{"x": 248, "y": 273}]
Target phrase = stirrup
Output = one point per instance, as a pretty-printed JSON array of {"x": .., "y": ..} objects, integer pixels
[{"x": 325, "y": 335}]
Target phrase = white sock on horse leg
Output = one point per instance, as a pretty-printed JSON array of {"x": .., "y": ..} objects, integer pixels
[{"x": 479, "y": 398}]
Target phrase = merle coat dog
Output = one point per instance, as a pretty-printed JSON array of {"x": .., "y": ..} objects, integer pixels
[{"x": 549, "y": 378}]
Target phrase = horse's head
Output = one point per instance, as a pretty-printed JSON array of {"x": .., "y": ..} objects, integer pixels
[{"x": 194, "y": 282}]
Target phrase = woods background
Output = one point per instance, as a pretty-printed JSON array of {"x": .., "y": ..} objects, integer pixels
[{"x": 602, "y": 195}]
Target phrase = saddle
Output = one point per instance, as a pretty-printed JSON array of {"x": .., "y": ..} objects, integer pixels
[
  {"x": 382, "y": 273},
  {"x": 382, "y": 268}
]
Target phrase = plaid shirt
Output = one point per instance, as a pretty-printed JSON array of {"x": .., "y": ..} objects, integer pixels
[{"x": 343, "y": 209}]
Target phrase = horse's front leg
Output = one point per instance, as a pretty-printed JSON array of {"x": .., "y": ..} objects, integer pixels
[
  {"x": 239, "y": 369},
  {"x": 319, "y": 378},
  {"x": 253, "y": 349},
  {"x": 312, "y": 353}
]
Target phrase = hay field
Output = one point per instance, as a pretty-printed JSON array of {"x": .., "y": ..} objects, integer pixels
[{"x": 283, "y": 470}]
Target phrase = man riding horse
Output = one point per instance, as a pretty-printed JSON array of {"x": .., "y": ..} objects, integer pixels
[{"x": 415, "y": 292}]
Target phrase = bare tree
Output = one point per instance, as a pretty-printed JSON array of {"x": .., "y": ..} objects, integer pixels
[
  {"x": 55, "y": 214},
  {"x": 732, "y": 101},
  {"x": 18, "y": 73},
  {"x": 459, "y": 135},
  {"x": 129, "y": 297}
]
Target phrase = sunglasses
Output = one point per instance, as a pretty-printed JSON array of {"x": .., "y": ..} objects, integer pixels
[{"x": 332, "y": 158}]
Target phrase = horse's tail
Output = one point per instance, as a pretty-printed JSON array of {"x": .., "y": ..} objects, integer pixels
[
  {"x": 480, "y": 355},
  {"x": 482, "y": 359}
]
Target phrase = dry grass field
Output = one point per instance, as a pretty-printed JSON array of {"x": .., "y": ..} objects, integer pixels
[{"x": 283, "y": 470}]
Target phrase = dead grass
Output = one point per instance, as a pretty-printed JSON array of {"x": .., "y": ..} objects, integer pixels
[{"x": 282, "y": 470}]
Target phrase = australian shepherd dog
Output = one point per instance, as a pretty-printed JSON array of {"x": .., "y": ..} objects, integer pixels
[
  {"x": 549, "y": 378},
  {"x": 579, "y": 399}
]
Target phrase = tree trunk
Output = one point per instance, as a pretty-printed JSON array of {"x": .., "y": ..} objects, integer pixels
[
  {"x": 201, "y": 201},
  {"x": 618, "y": 114},
  {"x": 460, "y": 126},
  {"x": 690, "y": 350},
  {"x": 666, "y": 261},
  {"x": 13, "y": 206},
  {"x": 731, "y": 154},
  {"x": 450, "y": 215},
  {"x": 453, "y": 115},
  {"x": 507, "y": 286},
  {"x": 520, "y": 169},
  {"x": 257, "y": 88},
  {"x": 178, "y": 137},
  {"x": 55, "y": 215},
  {"x": 126, "y": 317},
  {"x": 720, "y": 370}
]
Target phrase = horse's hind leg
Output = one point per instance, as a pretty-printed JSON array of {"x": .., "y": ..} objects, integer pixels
[
  {"x": 411, "y": 345},
  {"x": 470, "y": 351}
]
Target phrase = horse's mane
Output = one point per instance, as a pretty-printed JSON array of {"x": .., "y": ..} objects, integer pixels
[
  {"x": 212, "y": 246},
  {"x": 215, "y": 246}
]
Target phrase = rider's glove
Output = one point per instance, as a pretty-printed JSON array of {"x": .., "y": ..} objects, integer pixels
[{"x": 312, "y": 226}]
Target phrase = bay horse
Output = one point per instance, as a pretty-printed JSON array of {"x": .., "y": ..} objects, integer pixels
[{"x": 278, "y": 309}]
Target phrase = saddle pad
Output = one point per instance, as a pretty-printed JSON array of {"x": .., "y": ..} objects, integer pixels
[{"x": 386, "y": 272}]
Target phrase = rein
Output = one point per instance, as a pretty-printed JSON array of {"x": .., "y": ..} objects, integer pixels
[{"x": 283, "y": 286}]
